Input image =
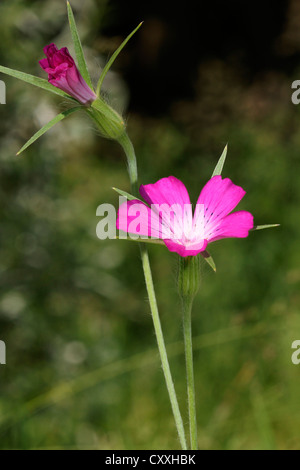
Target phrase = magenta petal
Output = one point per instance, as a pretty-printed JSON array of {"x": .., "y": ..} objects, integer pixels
[
  {"x": 63, "y": 74},
  {"x": 168, "y": 190},
  {"x": 220, "y": 196},
  {"x": 50, "y": 50},
  {"x": 137, "y": 218},
  {"x": 217, "y": 199},
  {"x": 236, "y": 225},
  {"x": 64, "y": 55},
  {"x": 185, "y": 250},
  {"x": 80, "y": 90},
  {"x": 44, "y": 63},
  {"x": 169, "y": 198}
]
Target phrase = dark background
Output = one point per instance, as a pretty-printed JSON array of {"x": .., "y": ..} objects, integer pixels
[{"x": 177, "y": 37}]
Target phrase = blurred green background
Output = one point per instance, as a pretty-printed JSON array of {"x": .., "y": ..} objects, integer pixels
[{"x": 82, "y": 366}]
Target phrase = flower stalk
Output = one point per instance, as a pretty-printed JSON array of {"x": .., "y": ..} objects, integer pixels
[
  {"x": 128, "y": 148},
  {"x": 188, "y": 285}
]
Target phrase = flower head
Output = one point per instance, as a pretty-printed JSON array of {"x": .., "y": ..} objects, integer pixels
[
  {"x": 63, "y": 74},
  {"x": 170, "y": 215}
]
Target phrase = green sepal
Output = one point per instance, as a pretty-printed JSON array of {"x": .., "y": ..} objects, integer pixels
[
  {"x": 262, "y": 227},
  {"x": 108, "y": 121},
  {"x": 155, "y": 241},
  {"x": 209, "y": 259},
  {"x": 189, "y": 276},
  {"x": 128, "y": 196},
  {"x": 48, "y": 126},
  {"x": 36, "y": 81},
  {"x": 219, "y": 166},
  {"x": 113, "y": 58},
  {"x": 78, "y": 48}
]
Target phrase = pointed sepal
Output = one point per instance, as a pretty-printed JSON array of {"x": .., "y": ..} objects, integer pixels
[
  {"x": 219, "y": 166},
  {"x": 113, "y": 58},
  {"x": 262, "y": 227},
  {"x": 48, "y": 126},
  {"x": 78, "y": 48},
  {"x": 36, "y": 81},
  {"x": 209, "y": 259}
]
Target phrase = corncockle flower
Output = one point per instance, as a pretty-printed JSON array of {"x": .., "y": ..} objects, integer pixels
[
  {"x": 63, "y": 74},
  {"x": 170, "y": 216}
]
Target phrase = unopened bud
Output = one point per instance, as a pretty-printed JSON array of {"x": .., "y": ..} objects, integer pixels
[{"x": 109, "y": 122}]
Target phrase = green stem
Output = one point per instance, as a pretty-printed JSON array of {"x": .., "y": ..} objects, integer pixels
[
  {"x": 161, "y": 345},
  {"x": 131, "y": 161},
  {"x": 132, "y": 170},
  {"x": 187, "y": 303}
]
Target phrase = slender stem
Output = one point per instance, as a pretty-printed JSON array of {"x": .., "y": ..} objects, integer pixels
[
  {"x": 187, "y": 303},
  {"x": 132, "y": 170},
  {"x": 131, "y": 161},
  {"x": 161, "y": 345}
]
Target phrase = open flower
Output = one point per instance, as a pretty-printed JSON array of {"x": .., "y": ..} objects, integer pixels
[
  {"x": 170, "y": 215},
  {"x": 63, "y": 74}
]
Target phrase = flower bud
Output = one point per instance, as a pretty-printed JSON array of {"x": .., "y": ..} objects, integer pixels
[
  {"x": 63, "y": 73},
  {"x": 108, "y": 121}
]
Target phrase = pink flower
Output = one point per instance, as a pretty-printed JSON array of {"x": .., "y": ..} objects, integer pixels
[
  {"x": 63, "y": 74},
  {"x": 171, "y": 219}
]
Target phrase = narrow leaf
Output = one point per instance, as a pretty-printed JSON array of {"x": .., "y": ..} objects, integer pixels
[
  {"x": 155, "y": 241},
  {"x": 48, "y": 126},
  {"x": 113, "y": 58},
  {"x": 36, "y": 81},
  {"x": 262, "y": 227},
  {"x": 209, "y": 259},
  {"x": 128, "y": 196},
  {"x": 78, "y": 48},
  {"x": 219, "y": 166}
]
